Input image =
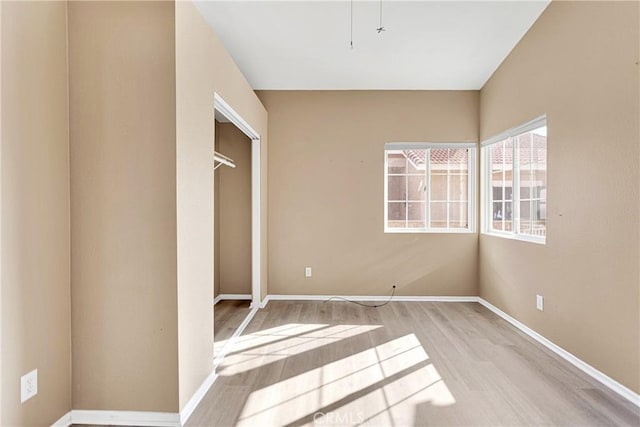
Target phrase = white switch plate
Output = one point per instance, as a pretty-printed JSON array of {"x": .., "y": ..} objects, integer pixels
[
  {"x": 28, "y": 385},
  {"x": 307, "y": 272},
  {"x": 540, "y": 302}
]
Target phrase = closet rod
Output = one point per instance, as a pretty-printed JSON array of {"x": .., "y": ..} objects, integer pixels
[{"x": 222, "y": 160}]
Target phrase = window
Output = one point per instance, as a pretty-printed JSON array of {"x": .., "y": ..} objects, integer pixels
[
  {"x": 429, "y": 187},
  {"x": 514, "y": 174}
]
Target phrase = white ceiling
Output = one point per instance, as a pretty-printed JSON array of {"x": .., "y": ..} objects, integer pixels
[{"x": 426, "y": 45}]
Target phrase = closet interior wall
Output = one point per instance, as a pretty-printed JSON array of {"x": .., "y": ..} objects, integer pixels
[{"x": 232, "y": 224}]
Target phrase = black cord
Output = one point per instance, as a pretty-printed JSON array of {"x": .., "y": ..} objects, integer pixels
[
  {"x": 351, "y": 25},
  {"x": 380, "y": 28},
  {"x": 393, "y": 292}
]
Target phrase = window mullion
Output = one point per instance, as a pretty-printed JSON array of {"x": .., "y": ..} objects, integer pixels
[
  {"x": 531, "y": 185},
  {"x": 446, "y": 196},
  {"x": 482, "y": 194},
  {"x": 515, "y": 178},
  {"x": 504, "y": 186},
  {"x": 471, "y": 191},
  {"x": 406, "y": 197},
  {"x": 386, "y": 190},
  {"x": 427, "y": 195}
]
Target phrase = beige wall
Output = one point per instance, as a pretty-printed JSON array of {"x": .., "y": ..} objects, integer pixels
[
  {"x": 130, "y": 241},
  {"x": 203, "y": 67},
  {"x": 579, "y": 65},
  {"x": 216, "y": 220},
  {"x": 140, "y": 343},
  {"x": 35, "y": 212},
  {"x": 235, "y": 211},
  {"x": 1, "y": 26},
  {"x": 123, "y": 215},
  {"x": 326, "y": 183}
]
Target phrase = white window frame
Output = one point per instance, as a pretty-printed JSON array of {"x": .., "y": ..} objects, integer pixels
[
  {"x": 486, "y": 215},
  {"x": 471, "y": 201}
]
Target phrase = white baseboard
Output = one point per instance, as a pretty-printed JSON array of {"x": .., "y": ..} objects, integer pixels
[
  {"x": 376, "y": 298},
  {"x": 64, "y": 421},
  {"x": 124, "y": 418},
  {"x": 615, "y": 386},
  {"x": 170, "y": 419},
  {"x": 197, "y": 397},
  {"x": 153, "y": 419},
  {"x": 221, "y": 297}
]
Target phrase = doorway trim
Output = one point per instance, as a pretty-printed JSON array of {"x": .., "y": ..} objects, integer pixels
[{"x": 222, "y": 107}]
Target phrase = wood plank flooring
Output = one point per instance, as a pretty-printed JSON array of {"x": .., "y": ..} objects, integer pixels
[
  {"x": 404, "y": 364},
  {"x": 227, "y": 316}
]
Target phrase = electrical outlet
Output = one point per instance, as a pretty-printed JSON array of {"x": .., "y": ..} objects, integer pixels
[
  {"x": 28, "y": 385},
  {"x": 307, "y": 272},
  {"x": 540, "y": 302}
]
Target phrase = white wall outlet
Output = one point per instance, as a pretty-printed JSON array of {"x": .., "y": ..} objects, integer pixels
[
  {"x": 28, "y": 385},
  {"x": 540, "y": 302},
  {"x": 307, "y": 272}
]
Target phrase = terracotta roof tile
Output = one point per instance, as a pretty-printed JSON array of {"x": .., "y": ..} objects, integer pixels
[
  {"x": 498, "y": 154},
  {"x": 438, "y": 156}
]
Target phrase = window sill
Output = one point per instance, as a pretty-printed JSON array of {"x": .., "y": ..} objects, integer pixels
[{"x": 520, "y": 237}]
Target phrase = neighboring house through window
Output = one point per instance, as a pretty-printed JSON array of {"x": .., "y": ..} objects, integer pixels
[
  {"x": 429, "y": 187},
  {"x": 514, "y": 176}
]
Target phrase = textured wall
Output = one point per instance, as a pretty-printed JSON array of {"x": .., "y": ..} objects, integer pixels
[
  {"x": 235, "y": 211},
  {"x": 123, "y": 210},
  {"x": 579, "y": 65},
  {"x": 326, "y": 185},
  {"x": 216, "y": 219},
  {"x": 203, "y": 67},
  {"x": 36, "y": 324}
]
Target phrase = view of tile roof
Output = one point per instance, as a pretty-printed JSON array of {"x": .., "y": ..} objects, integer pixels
[
  {"x": 438, "y": 156},
  {"x": 504, "y": 152},
  {"x": 500, "y": 152}
]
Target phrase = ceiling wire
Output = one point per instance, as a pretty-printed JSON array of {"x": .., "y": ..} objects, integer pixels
[
  {"x": 351, "y": 28},
  {"x": 381, "y": 27}
]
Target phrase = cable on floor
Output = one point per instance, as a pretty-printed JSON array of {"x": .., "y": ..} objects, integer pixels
[{"x": 393, "y": 292}]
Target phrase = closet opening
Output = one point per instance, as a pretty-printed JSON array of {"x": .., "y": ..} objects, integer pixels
[{"x": 236, "y": 187}]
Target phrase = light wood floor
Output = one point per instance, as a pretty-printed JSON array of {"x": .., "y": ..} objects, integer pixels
[
  {"x": 227, "y": 316},
  {"x": 413, "y": 363}
]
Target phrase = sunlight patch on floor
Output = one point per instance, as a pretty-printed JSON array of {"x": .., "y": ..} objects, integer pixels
[
  {"x": 367, "y": 387},
  {"x": 258, "y": 349},
  {"x": 266, "y": 336}
]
